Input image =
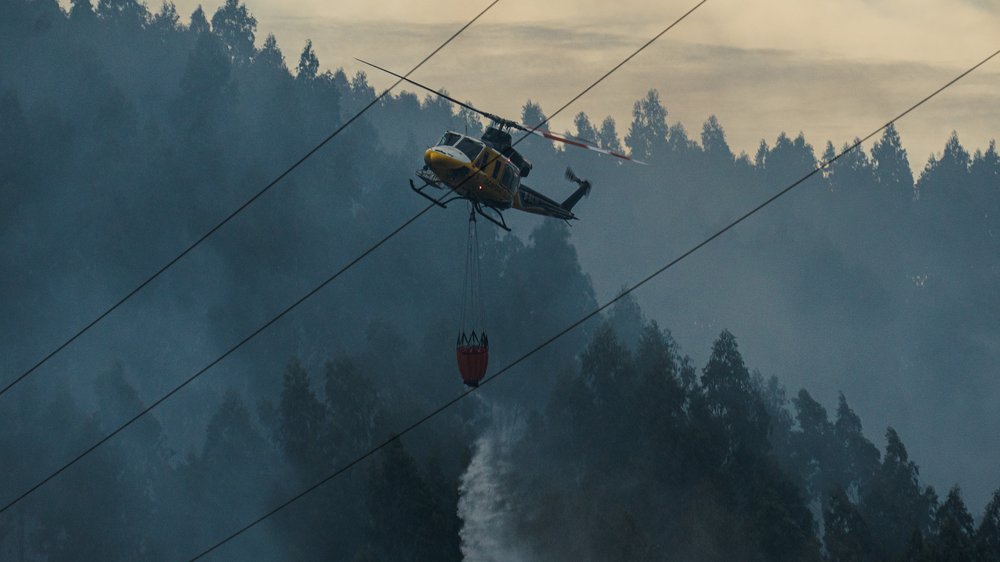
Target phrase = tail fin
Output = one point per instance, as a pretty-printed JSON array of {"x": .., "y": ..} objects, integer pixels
[{"x": 580, "y": 193}]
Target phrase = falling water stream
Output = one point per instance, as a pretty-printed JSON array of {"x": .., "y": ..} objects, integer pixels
[{"x": 485, "y": 509}]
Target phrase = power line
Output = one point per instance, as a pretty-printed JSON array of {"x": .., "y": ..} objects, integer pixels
[
  {"x": 237, "y": 211},
  {"x": 312, "y": 292},
  {"x": 216, "y": 361},
  {"x": 427, "y": 417}
]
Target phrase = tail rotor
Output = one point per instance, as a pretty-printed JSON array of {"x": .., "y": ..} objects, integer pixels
[{"x": 581, "y": 192}]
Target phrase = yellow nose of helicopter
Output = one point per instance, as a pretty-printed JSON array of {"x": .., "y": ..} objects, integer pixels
[
  {"x": 438, "y": 160},
  {"x": 443, "y": 160},
  {"x": 434, "y": 158}
]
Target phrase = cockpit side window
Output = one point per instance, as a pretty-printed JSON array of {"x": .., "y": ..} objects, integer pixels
[
  {"x": 449, "y": 139},
  {"x": 510, "y": 178},
  {"x": 469, "y": 147}
]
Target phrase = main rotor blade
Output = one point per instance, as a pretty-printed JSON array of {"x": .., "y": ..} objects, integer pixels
[
  {"x": 580, "y": 143},
  {"x": 544, "y": 133},
  {"x": 485, "y": 114}
]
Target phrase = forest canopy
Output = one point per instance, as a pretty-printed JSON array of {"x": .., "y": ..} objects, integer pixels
[{"x": 129, "y": 131}]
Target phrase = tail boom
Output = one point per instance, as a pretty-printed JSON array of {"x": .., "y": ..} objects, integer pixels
[{"x": 531, "y": 201}]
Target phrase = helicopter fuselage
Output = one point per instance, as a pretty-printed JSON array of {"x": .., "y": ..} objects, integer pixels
[
  {"x": 483, "y": 173},
  {"x": 473, "y": 170}
]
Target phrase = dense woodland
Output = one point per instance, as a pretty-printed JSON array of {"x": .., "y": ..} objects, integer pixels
[{"x": 127, "y": 133}]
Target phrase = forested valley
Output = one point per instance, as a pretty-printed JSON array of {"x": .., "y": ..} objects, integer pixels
[{"x": 127, "y": 132}]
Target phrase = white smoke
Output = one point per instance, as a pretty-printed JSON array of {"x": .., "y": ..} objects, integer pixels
[{"x": 485, "y": 509}]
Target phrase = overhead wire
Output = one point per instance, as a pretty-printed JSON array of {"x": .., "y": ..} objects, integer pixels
[
  {"x": 348, "y": 266},
  {"x": 235, "y": 212},
  {"x": 427, "y": 417},
  {"x": 316, "y": 289}
]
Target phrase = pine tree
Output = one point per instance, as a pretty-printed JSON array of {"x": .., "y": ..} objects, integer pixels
[
  {"x": 627, "y": 320},
  {"x": 470, "y": 121},
  {"x": 584, "y": 129},
  {"x": 812, "y": 417},
  {"x": 166, "y": 20},
  {"x": 407, "y": 521},
  {"x": 780, "y": 434},
  {"x": 761, "y": 163},
  {"x": 532, "y": 114},
  {"x": 199, "y": 24},
  {"x": 845, "y": 534},
  {"x": 829, "y": 153},
  {"x": 648, "y": 133},
  {"x": 361, "y": 90},
  {"x": 894, "y": 504},
  {"x": 713, "y": 141},
  {"x": 857, "y": 457},
  {"x": 678, "y": 142},
  {"x": 852, "y": 171},
  {"x": 234, "y": 24},
  {"x": 915, "y": 549},
  {"x": 986, "y": 166},
  {"x": 603, "y": 364},
  {"x": 270, "y": 55},
  {"x": 813, "y": 445},
  {"x": 608, "y": 136},
  {"x": 788, "y": 160},
  {"x": 942, "y": 175},
  {"x": 731, "y": 398},
  {"x": 892, "y": 166},
  {"x": 954, "y": 531},
  {"x": 541, "y": 149},
  {"x": 988, "y": 533},
  {"x": 128, "y": 13},
  {"x": 660, "y": 398},
  {"x": 308, "y": 65},
  {"x": 225, "y": 478},
  {"x": 205, "y": 85}
]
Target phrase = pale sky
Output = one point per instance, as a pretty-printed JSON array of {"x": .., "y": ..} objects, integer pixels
[{"x": 833, "y": 69}]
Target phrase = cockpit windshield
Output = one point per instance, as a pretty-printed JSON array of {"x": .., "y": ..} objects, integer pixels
[
  {"x": 449, "y": 139},
  {"x": 470, "y": 147}
]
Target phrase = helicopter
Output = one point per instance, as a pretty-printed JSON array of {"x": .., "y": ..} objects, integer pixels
[{"x": 487, "y": 171}]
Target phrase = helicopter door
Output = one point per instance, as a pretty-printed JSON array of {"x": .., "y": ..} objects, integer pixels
[
  {"x": 510, "y": 177},
  {"x": 490, "y": 164},
  {"x": 483, "y": 162},
  {"x": 497, "y": 167}
]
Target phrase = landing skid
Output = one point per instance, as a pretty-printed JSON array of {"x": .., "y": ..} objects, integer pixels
[
  {"x": 430, "y": 177},
  {"x": 498, "y": 220},
  {"x": 420, "y": 191},
  {"x": 501, "y": 223}
]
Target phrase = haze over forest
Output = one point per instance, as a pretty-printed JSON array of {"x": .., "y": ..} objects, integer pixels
[{"x": 820, "y": 383}]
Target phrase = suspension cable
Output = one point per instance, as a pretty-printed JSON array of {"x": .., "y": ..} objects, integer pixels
[{"x": 473, "y": 311}]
